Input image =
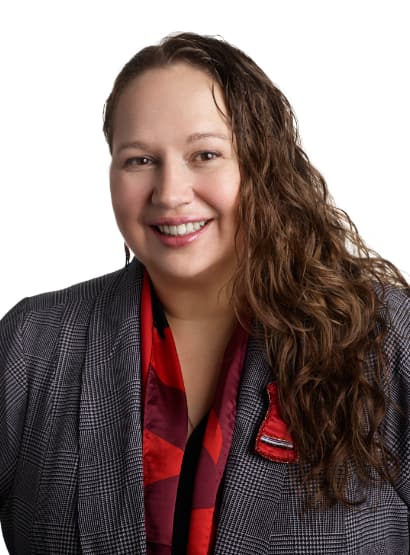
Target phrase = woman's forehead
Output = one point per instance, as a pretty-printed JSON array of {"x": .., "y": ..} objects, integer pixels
[
  {"x": 173, "y": 84},
  {"x": 176, "y": 98}
]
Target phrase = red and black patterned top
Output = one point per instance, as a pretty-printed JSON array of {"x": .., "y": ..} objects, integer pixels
[{"x": 165, "y": 432}]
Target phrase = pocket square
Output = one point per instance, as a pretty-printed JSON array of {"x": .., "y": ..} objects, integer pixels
[{"x": 273, "y": 440}]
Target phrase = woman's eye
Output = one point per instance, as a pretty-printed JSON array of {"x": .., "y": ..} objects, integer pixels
[
  {"x": 137, "y": 161},
  {"x": 207, "y": 155}
]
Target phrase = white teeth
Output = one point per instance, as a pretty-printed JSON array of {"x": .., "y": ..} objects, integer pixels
[{"x": 182, "y": 229}]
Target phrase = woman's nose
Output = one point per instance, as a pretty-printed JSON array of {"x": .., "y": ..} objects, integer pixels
[{"x": 173, "y": 184}]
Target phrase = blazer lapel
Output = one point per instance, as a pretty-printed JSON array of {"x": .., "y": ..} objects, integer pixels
[
  {"x": 110, "y": 484},
  {"x": 252, "y": 484}
]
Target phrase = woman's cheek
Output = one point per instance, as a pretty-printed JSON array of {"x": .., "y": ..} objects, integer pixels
[{"x": 124, "y": 193}]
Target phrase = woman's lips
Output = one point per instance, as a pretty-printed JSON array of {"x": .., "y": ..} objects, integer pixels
[{"x": 179, "y": 240}]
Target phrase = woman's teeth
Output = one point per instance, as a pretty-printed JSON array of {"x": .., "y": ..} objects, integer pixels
[{"x": 182, "y": 229}]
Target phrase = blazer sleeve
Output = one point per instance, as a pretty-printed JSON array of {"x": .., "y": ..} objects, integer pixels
[
  {"x": 397, "y": 349},
  {"x": 13, "y": 396}
]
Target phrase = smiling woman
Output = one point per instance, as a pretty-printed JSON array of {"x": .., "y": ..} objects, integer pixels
[{"x": 242, "y": 386}]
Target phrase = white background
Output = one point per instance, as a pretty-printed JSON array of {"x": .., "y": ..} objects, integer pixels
[{"x": 342, "y": 64}]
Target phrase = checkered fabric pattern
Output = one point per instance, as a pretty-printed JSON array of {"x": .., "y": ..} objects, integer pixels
[{"x": 71, "y": 476}]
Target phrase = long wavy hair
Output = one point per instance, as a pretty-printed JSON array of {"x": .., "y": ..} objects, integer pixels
[{"x": 307, "y": 278}]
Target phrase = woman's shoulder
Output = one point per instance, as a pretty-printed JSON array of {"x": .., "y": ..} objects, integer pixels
[
  {"x": 395, "y": 312},
  {"x": 395, "y": 299},
  {"x": 84, "y": 292}
]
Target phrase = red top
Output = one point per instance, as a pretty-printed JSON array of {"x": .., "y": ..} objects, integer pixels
[{"x": 166, "y": 427}]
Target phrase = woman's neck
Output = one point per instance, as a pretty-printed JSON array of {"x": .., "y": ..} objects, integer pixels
[{"x": 194, "y": 301}]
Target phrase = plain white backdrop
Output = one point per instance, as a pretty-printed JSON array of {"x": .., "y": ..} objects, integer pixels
[{"x": 343, "y": 65}]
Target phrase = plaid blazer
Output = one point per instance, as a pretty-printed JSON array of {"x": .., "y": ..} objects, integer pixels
[{"x": 70, "y": 439}]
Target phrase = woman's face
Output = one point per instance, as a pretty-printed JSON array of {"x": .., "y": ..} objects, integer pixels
[{"x": 173, "y": 170}]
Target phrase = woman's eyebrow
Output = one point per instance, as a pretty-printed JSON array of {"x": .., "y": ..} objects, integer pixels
[
  {"x": 197, "y": 136},
  {"x": 190, "y": 139},
  {"x": 132, "y": 144}
]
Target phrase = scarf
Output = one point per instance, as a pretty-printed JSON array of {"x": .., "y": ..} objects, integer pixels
[{"x": 165, "y": 427}]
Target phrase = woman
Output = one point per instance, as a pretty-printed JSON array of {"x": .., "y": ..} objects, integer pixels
[{"x": 240, "y": 387}]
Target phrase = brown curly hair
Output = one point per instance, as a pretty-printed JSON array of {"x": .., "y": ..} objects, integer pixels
[{"x": 313, "y": 286}]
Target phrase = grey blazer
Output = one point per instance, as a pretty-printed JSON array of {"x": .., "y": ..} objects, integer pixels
[{"x": 70, "y": 439}]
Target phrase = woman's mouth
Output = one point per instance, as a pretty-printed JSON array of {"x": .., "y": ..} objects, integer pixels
[
  {"x": 182, "y": 234},
  {"x": 181, "y": 229}
]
